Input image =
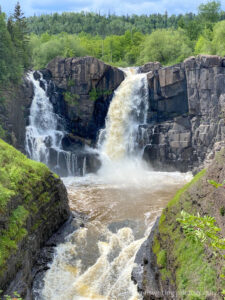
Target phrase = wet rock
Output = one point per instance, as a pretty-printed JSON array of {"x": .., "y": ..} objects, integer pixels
[{"x": 145, "y": 273}]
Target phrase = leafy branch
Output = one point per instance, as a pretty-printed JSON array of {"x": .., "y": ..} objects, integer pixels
[{"x": 202, "y": 229}]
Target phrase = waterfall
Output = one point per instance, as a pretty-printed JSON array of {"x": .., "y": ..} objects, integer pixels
[
  {"x": 120, "y": 143},
  {"x": 127, "y": 112},
  {"x": 45, "y": 132}
]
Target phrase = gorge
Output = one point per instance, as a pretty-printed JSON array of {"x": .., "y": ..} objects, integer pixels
[{"x": 92, "y": 124}]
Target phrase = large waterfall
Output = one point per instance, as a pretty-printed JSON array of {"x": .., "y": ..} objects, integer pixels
[
  {"x": 127, "y": 111},
  {"x": 121, "y": 201},
  {"x": 119, "y": 142},
  {"x": 45, "y": 132}
]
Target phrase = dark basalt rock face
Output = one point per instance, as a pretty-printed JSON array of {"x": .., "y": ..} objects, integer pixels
[
  {"x": 80, "y": 90},
  {"x": 186, "y": 115},
  {"x": 83, "y": 89}
]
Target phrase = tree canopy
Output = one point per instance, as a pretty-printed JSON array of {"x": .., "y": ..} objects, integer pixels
[{"x": 117, "y": 40}]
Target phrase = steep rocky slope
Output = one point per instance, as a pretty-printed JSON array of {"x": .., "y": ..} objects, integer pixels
[
  {"x": 33, "y": 205},
  {"x": 173, "y": 267}
]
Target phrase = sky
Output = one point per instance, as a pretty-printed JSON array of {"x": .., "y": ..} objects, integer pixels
[{"x": 121, "y": 7}]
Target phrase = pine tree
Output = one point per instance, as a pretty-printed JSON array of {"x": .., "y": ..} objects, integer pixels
[
  {"x": 17, "y": 28},
  {"x": 6, "y": 53}
]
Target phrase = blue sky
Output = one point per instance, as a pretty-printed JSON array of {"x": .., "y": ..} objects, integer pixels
[{"x": 31, "y": 7}]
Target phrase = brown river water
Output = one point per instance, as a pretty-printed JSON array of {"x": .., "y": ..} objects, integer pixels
[{"x": 96, "y": 261}]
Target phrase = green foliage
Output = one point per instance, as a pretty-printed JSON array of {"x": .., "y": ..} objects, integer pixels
[
  {"x": 118, "y": 40},
  {"x": 202, "y": 229},
  {"x": 27, "y": 181},
  {"x": 216, "y": 184},
  {"x": 167, "y": 46},
  {"x": 186, "y": 256},
  {"x": 96, "y": 24},
  {"x": 11, "y": 236},
  {"x": 70, "y": 98},
  {"x": 14, "y": 48},
  {"x": 210, "y": 12},
  {"x": 95, "y": 94},
  {"x": 218, "y": 42},
  {"x": 45, "y": 49},
  {"x": 15, "y": 296},
  {"x": 161, "y": 258}
]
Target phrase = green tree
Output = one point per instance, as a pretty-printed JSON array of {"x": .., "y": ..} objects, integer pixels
[
  {"x": 8, "y": 66},
  {"x": 210, "y": 12},
  {"x": 17, "y": 27},
  {"x": 166, "y": 46},
  {"x": 218, "y": 40}
]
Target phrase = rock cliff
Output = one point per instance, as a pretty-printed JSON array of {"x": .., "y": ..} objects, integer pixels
[
  {"x": 170, "y": 266},
  {"x": 84, "y": 87},
  {"x": 33, "y": 205},
  {"x": 186, "y": 115}
]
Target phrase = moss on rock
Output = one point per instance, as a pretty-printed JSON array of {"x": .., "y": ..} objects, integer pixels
[
  {"x": 188, "y": 267},
  {"x": 33, "y": 204}
]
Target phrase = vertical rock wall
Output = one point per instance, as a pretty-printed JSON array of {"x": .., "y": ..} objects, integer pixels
[{"x": 186, "y": 117}]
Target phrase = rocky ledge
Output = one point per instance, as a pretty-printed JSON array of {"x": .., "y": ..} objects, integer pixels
[{"x": 33, "y": 205}]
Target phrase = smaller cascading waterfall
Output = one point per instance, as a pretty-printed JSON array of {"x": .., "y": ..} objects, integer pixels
[{"x": 45, "y": 132}]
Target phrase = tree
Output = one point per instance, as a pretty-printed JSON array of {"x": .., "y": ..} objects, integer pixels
[
  {"x": 166, "y": 46},
  {"x": 210, "y": 12},
  {"x": 7, "y": 54},
  {"x": 17, "y": 28},
  {"x": 218, "y": 41}
]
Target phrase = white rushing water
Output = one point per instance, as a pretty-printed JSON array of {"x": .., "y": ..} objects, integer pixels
[
  {"x": 121, "y": 201},
  {"x": 42, "y": 133},
  {"x": 46, "y": 131},
  {"x": 127, "y": 112}
]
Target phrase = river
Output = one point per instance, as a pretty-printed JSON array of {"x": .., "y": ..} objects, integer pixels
[{"x": 121, "y": 201}]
